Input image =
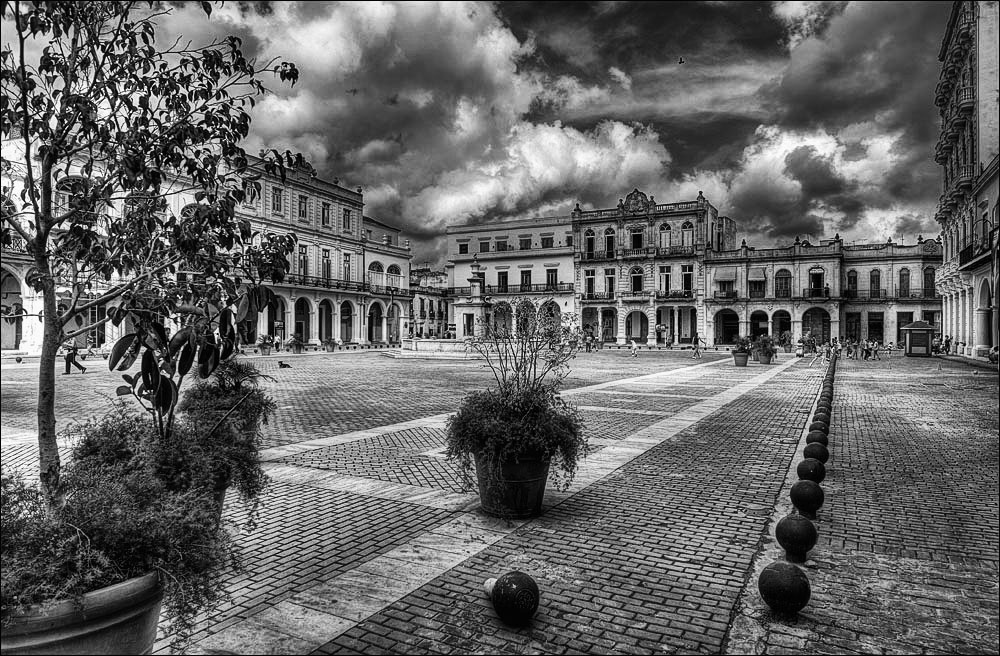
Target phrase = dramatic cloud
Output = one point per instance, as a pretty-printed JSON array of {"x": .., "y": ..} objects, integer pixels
[{"x": 794, "y": 118}]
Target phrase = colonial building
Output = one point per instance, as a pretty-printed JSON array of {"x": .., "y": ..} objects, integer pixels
[
  {"x": 349, "y": 273},
  {"x": 968, "y": 152},
  {"x": 664, "y": 273},
  {"x": 429, "y": 306}
]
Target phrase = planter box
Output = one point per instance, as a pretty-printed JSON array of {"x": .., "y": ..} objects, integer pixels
[
  {"x": 521, "y": 489},
  {"x": 741, "y": 359},
  {"x": 265, "y": 350},
  {"x": 765, "y": 358},
  {"x": 118, "y": 619}
]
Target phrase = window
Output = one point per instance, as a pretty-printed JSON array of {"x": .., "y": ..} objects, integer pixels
[
  {"x": 609, "y": 281},
  {"x": 347, "y": 219},
  {"x": 588, "y": 281},
  {"x": 524, "y": 243},
  {"x": 687, "y": 234},
  {"x": 664, "y": 235},
  {"x": 852, "y": 280},
  {"x": 463, "y": 249},
  {"x": 609, "y": 240},
  {"x": 325, "y": 214},
  {"x": 501, "y": 245},
  {"x": 875, "y": 283},
  {"x": 347, "y": 266},
  {"x": 929, "y": 282},
  {"x": 727, "y": 287},
  {"x": 303, "y": 208},
  {"x": 525, "y": 280},
  {"x": 757, "y": 288},
  {"x": 902, "y": 319},
  {"x": 552, "y": 278},
  {"x": 687, "y": 277},
  {"x": 484, "y": 247},
  {"x": 569, "y": 240},
  {"x": 635, "y": 277},
  {"x": 546, "y": 242},
  {"x": 588, "y": 241},
  {"x": 502, "y": 281},
  {"x": 327, "y": 266},
  {"x": 665, "y": 278},
  {"x": 276, "y": 200},
  {"x": 783, "y": 284},
  {"x": 304, "y": 260},
  {"x": 636, "y": 236},
  {"x": 904, "y": 283}
]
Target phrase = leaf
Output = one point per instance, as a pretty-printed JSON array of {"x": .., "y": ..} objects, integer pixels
[
  {"x": 160, "y": 332},
  {"x": 150, "y": 370},
  {"x": 166, "y": 394},
  {"x": 120, "y": 348},
  {"x": 129, "y": 359},
  {"x": 208, "y": 360},
  {"x": 128, "y": 379},
  {"x": 123, "y": 390},
  {"x": 178, "y": 340},
  {"x": 226, "y": 325},
  {"x": 228, "y": 347},
  {"x": 242, "y": 308},
  {"x": 185, "y": 358}
]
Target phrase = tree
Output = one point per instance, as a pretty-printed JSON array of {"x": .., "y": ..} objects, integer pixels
[{"x": 109, "y": 126}]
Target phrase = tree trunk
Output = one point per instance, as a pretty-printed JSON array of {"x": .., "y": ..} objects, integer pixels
[{"x": 48, "y": 448}]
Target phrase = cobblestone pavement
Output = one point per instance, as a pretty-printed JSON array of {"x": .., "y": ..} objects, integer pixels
[
  {"x": 907, "y": 558},
  {"x": 367, "y": 543}
]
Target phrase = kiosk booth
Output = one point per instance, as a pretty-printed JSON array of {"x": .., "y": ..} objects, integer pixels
[{"x": 918, "y": 335}]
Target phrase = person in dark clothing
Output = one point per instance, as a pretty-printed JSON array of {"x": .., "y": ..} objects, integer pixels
[{"x": 70, "y": 357}]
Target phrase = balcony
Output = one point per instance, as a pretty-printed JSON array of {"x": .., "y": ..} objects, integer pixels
[
  {"x": 964, "y": 177},
  {"x": 458, "y": 291},
  {"x": 966, "y": 99},
  {"x": 726, "y": 295},
  {"x": 864, "y": 293},
  {"x": 597, "y": 255},
  {"x": 598, "y": 296},
  {"x": 971, "y": 253},
  {"x": 17, "y": 245},
  {"x": 756, "y": 293},
  {"x": 632, "y": 253},
  {"x": 545, "y": 288},
  {"x": 942, "y": 92},
  {"x": 675, "y": 250},
  {"x": 299, "y": 280},
  {"x": 662, "y": 294},
  {"x": 635, "y": 295},
  {"x": 817, "y": 292}
]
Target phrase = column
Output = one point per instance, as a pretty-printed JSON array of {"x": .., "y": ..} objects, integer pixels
[
  {"x": 600, "y": 325},
  {"x": 385, "y": 326},
  {"x": 963, "y": 319},
  {"x": 675, "y": 328},
  {"x": 314, "y": 319},
  {"x": 770, "y": 326}
]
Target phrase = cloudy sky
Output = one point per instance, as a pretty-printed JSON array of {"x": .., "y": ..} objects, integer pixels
[{"x": 794, "y": 118}]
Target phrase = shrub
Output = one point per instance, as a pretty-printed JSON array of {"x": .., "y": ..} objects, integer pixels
[
  {"x": 742, "y": 345},
  {"x": 765, "y": 344}
]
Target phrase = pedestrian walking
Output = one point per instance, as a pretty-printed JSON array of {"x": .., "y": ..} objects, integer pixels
[
  {"x": 875, "y": 350},
  {"x": 947, "y": 345},
  {"x": 697, "y": 342},
  {"x": 70, "y": 357},
  {"x": 633, "y": 347}
]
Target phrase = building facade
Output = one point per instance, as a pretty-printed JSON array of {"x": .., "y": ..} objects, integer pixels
[
  {"x": 666, "y": 273},
  {"x": 348, "y": 279},
  {"x": 429, "y": 306},
  {"x": 968, "y": 152}
]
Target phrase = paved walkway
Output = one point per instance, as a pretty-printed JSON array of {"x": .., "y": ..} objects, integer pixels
[{"x": 367, "y": 544}]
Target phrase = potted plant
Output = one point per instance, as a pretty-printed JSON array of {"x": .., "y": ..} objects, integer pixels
[
  {"x": 512, "y": 434},
  {"x": 330, "y": 344},
  {"x": 104, "y": 537},
  {"x": 741, "y": 351},
  {"x": 766, "y": 348},
  {"x": 295, "y": 344},
  {"x": 265, "y": 344}
]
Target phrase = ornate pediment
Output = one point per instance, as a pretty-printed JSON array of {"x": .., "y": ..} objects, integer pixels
[{"x": 636, "y": 202}]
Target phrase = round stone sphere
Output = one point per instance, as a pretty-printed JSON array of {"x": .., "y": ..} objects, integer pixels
[
  {"x": 819, "y": 426},
  {"x": 817, "y": 451},
  {"x": 817, "y": 437},
  {"x": 824, "y": 407},
  {"x": 796, "y": 535},
  {"x": 784, "y": 587},
  {"x": 822, "y": 416},
  {"x": 515, "y": 598},
  {"x": 811, "y": 469},
  {"x": 807, "y": 497},
  {"x": 18, "y": 359}
]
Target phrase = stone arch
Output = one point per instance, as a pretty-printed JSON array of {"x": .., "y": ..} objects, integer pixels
[
  {"x": 12, "y": 308},
  {"x": 727, "y": 326},
  {"x": 277, "y": 308},
  {"x": 637, "y": 326},
  {"x": 984, "y": 316},
  {"x": 781, "y": 321},
  {"x": 325, "y": 319},
  {"x": 376, "y": 313},
  {"x": 758, "y": 323},
  {"x": 589, "y": 241},
  {"x": 302, "y": 319},
  {"x": 393, "y": 270},
  {"x": 550, "y": 308},
  {"x": 816, "y": 323}
]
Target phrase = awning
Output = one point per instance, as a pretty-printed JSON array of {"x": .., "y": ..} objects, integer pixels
[
  {"x": 725, "y": 273},
  {"x": 757, "y": 273}
]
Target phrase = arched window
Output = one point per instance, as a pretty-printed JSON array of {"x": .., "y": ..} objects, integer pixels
[
  {"x": 393, "y": 270},
  {"x": 375, "y": 267},
  {"x": 875, "y": 283},
  {"x": 852, "y": 280},
  {"x": 687, "y": 234},
  {"x": 783, "y": 284},
  {"x": 928, "y": 282},
  {"x": 904, "y": 283},
  {"x": 609, "y": 240},
  {"x": 664, "y": 235},
  {"x": 636, "y": 276},
  {"x": 589, "y": 241}
]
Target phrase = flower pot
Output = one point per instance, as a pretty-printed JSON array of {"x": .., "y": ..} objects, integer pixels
[
  {"x": 788, "y": 348},
  {"x": 519, "y": 491},
  {"x": 118, "y": 619},
  {"x": 297, "y": 349},
  {"x": 741, "y": 359},
  {"x": 265, "y": 350},
  {"x": 330, "y": 348},
  {"x": 765, "y": 358}
]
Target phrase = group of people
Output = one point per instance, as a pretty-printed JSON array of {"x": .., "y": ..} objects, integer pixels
[{"x": 866, "y": 349}]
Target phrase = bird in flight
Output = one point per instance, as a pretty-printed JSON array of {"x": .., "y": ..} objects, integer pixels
[
  {"x": 353, "y": 92},
  {"x": 680, "y": 61}
]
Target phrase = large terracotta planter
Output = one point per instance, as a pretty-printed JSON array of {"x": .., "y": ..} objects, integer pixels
[
  {"x": 265, "y": 350},
  {"x": 765, "y": 358},
  {"x": 118, "y": 619},
  {"x": 741, "y": 359},
  {"x": 520, "y": 490}
]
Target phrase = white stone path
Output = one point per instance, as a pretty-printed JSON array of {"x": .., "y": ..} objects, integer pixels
[{"x": 320, "y": 613}]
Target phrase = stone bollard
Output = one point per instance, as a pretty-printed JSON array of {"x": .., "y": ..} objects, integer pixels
[
  {"x": 796, "y": 535},
  {"x": 811, "y": 469},
  {"x": 817, "y": 451},
  {"x": 784, "y": 587},
  {"x": 807, "y": 497}
]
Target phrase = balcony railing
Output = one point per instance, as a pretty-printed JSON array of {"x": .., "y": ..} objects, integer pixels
[
  {"x": 966, "y": 99},
  {"x": 726, "y": 295},
  {"x": 757, "y": 293},
  {"x": 530, "y": 289},
  {"x": 632, "y": 252},
  {"x": 964, "y": 176},
  {"x": 674, "y": 293},
  {"x": 294, "y": 279},
  {"x": 458, "y": 291},
  {"x": 972, "y": 252},
  {"x": 817, "y": 292},
  {"x": 864, "y": 293},
  {"x": 675, "y": 250},
  {"x": 17, "y": 245},
  {"x": 598, "y": 255},
  {"x": 598, "y": 296}
]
